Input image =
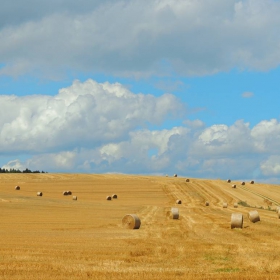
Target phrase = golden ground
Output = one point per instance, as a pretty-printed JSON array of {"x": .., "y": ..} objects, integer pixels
[{"x": 54, "y": 237}]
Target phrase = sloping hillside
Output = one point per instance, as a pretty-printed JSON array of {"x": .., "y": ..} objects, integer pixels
[{"x": 55, "y": 237}]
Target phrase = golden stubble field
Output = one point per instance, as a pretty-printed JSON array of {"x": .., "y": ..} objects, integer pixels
[{"x": 54, "y": 237}]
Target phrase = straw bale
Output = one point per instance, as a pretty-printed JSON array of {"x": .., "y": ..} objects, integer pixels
[
  {"x": 131, "y": 221},
  {"x": 69, "y": 192},
  {"x": 206, "y": 203},
  {"x": 235, "y": 205},
  {"x": 243, "y": 183},
  {"x": 178, "y": 201},
  {"x": 17, "y": 188},
  {"x": 108, "y": 198},
  {"x": 187, "y": 180},
  {"x": 39, "y": 193},
  {"x": 114, "y": 196},
  {"x": 254, "y": 216},
  {"x": 75, "y": 197},
  {"x": 225, "y": 205},
  {"x": 228, "y": 180},
  {"x": 252, "y": 182},
  {"x": 173, "y": 213},
  {"x": 233, "y": 186},
  {"x": 175, "y": 175},
  {"x": 236, "y": 220}
]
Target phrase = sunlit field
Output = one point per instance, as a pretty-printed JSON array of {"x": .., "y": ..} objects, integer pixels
[{"x": 55, "y": 237}]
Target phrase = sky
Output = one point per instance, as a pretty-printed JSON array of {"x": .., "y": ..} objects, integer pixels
[{"x": 141, "y": 87}]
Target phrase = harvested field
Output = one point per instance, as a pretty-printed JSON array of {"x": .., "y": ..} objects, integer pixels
[{"x": 55, "y": 237}]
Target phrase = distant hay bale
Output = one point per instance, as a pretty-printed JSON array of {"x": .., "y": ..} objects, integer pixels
[
  {"x": 206, "y": 203},
  {"x": 178, "y": 201},
  {"x": 75, "y": 197},
  {"x": 131, "y": 221},
  {"x": 65, "y": 193},
  {"x": 69, "y": 192},
  {"x": 166, "y": 175},
  {"x": 278, "y": 213},
  {"x": 235, "y": 205},
  {"x": 175, "y": 175},
  {"x": 187, "y": 180},
  {"x": 17, "y": 188},
  {"x": 277, "y": 209},
  {"x": 228, "y": 180},
  {"x": 233, "y": 186},
  {"x": 225, "y": 205},
  {"x": 114, "y": 196},
  {"x": 173, "y": 213},
  {"x": 252, "y": 182},
  {"x": 108, "y": 198},
  {"x": 39, "y": 193},
  {"x": 236, "y": 220},
  {"x": 254, "y": 216},
  {"x": 243, "y": 183}
]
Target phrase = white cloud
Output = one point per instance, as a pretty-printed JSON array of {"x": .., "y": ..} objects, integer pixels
[
  {"x": 271, "y": 166},
  {"x": 128, "y": 38},
  {"x": 247, "y": 94}
]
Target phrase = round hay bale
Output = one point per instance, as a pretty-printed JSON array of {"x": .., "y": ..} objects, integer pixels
[
  {"x": 114, "y": 196},
  {"x": 69, "y": 192},
  {"x": 252, "y": 182},
  {"x": 75, "y": 197},
  {"x": 233, "y": 186},
  {"x": 235, "y": 205},
  {"x": 178, "y": 201},
  {"x": 225, "y": 205},
  {"x": 65, "y": 193},
  {"x": 175, "y": 175},
  {"x": 254, "y": 216},
  {"x": 228, "y": 180},
  {"x": 39, "y": 193},
  {"x": 131, "y": 221},
  {"x": 108, "y": 198},
  {"x": 17, "y": 188},
  {"x": 206, "y": 203},
  {"x": 242, "y": 183},
  {"x": 236, "y": 220},
  {"x": 187, "y": 180},
  {"x": 173, "y": 213},
  {"x": 277, "y": 209},
  {"x": 278, "y": 213}
]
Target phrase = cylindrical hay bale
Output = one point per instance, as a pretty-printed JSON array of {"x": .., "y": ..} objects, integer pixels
[
  {"x": 75, "y": 197},
  {"x": 233, "y": 186},
  {"x": 174, "y": 213},
  {"x": 278, "y": 213},
  {"x": 254, "y": 216},
  {"x": 228, "y": 180},
  {"x": 243, "y": 183},
  {"x": 175, "y": 175},
  {"x": 235, "y": 205},
  {"x": 65, "y": 193},
  {"x": 187, "y": 180},
  {"x": 69, "y": 192},
  {"x": 178, "y": 201},
  {"x": 108, "y": 198},
  {"x": 114, "y": 196},
  {"x": 39, "y": 193},
  {"x": 236, "y": 220},
  {"x": 17, "y": 188},
  {"x": 277, "y": 209},
  {"x": 252, "y": 182},
  {"x": 225, "y": 205},
  {"x": 206, "y": 203},
  {"x": 131, "y": 221}
]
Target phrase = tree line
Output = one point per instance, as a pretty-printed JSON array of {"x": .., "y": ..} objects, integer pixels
[{"x": 12, "y": 170}]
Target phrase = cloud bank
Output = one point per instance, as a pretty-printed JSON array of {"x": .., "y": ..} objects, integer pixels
[
  {"x": 103, "y": 127},
  {"x": 182, "y": 36}
]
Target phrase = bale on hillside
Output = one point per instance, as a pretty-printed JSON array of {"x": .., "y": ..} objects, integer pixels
[
  {"x": 243, "y": 183},
  {"x": 131, "y": 221},
  {"x": 17, "y": 188},
  {"x": 173, "y": 213},
  {"x": 254, "y": 216},
  {"x": 75, "y": 197},
  {"x": 206, "y": 203},
  {"x": 108, "y": 198},
  {"x": 278, "y": 213},
  {"x": 252, "y": 182},
  {"x": 175, "y": 175},
  {"x": 65, "y": 193},
  {"x": 114, "y": 196},
  {"x": 228, "y": 180},
  {"x": 233, "y": 186},
  {"x": 187, "y": 180},
  {"x": 69, "y": 192},
  {"x": 178, "y": 201},
  {"x": 236, "y": 220},
  {"x": 235, "y": 205},
  {"x": 39, "y": 193},
  {"x": 225, "y": 205}
]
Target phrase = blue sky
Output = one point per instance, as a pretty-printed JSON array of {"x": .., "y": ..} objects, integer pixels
[{"x": 187, "y": 87}]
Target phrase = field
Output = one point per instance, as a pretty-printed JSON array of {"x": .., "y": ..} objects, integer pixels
[{"x": 55, "y": 237}]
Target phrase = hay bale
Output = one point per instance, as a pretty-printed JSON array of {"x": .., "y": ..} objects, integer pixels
[
  {"x": 75, "y": 197},
  {"x": 228, "y": 180},
  {"x": 173, "y": 213},
  {"x": 278, "y": 213},
  {"x": 233, "y": 186},
  {"x": 175, "y": 175},
  {"x": 252, "y": 182},
  {"x": 108, "y": 198},
  {"x": 178, "y": 201},
  {"x": 131, "y": 221},
  {"x": 254, "y": 216},
  {"x": 69, "y": 193},
  {"x": 17, "y": 188},
  {"x": 114, "y": 196},
  {"x": 236, "y": 220},
  {"x": 242, "y": 183},
  {"x": 235, "y": 205},
  {"x": 65, "y": 193},
  {"x": 225, "y": 205},
  {"x": 187, "y": 180},
  {"x": 39, "y": 193},
  {"x": 206, "y": 203}
]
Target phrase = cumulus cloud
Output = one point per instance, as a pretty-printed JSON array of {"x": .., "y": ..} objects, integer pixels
[
  {"x": 128, "y": 38},
  {"x": 247, "y": 94}
]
